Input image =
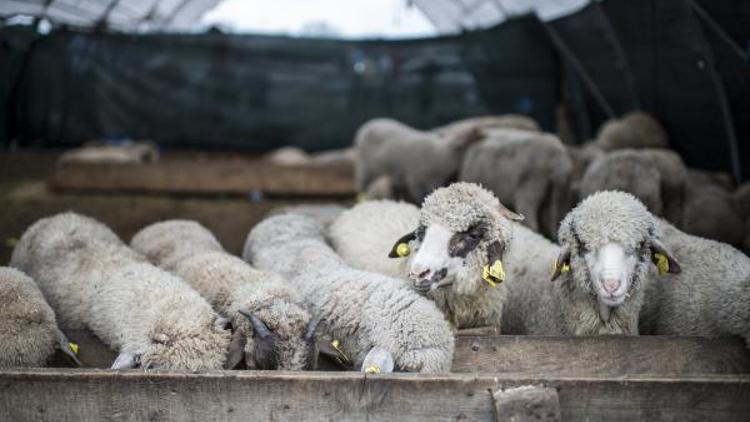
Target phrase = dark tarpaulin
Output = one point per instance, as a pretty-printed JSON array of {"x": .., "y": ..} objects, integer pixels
[
  {"x": 671, "y": 66},
  {"x": 261, "y": 92}
]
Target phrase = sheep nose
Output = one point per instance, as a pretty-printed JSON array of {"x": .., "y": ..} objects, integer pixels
[
  {"x": 611, "y": 284},
  {"x": 420, "y": 273}
]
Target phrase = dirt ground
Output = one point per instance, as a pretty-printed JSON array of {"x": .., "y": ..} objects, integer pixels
[{"x": 25, "y": 197}]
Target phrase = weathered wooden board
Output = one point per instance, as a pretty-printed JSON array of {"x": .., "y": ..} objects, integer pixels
[
  {"x": 203, "y": 177},
  {"x": 93, "y": 395},
  {"x": 612, "y": 356},
  {"x": 604, "y": 355}
]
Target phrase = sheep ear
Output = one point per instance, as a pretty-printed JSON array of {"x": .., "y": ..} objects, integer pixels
[
  {"x": 124, "y": 361},
  {"x": 67, "y": 347},
  {"x": 377, "y": 361},
  {"x": 401, "y": 248},
  {"x": 663, "y": 259},
  {"x": 510, "y": 215},
  {"x": 562, "y": 263},
  {"x": 236, "y": 351},
  {"x": 259, "y": 327}
]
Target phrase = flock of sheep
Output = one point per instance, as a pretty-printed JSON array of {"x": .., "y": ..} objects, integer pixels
[{"x": 385, "y": 284}]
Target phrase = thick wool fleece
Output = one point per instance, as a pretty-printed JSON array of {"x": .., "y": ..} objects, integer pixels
[
  {"x": 230, "y": 285},
  {"x": 92, "y": 280},
  {"x": 508, "y": 121},
  {"x": 525, "y": 170},
  {"x": 710, "y": 297},
  {"x": 361, "y": 309},
  {"x": 365, "y": 234},
  {"x": 602, "y": 218},
  {"x": 28, "y": 330}
]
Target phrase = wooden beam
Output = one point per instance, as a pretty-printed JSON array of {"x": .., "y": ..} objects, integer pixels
[
  {"x": 91, "y": 395},
  {"x": 212, "y": 176},
  {"x": 613, "y": 356}
]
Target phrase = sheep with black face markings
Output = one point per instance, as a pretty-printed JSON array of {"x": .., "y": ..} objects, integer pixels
[
  {"x": 370, "y": 314},
  {"x": 28, "y": 330},
  {"x": 268, "y": 316},
  {"x": 93, "y": 280}
]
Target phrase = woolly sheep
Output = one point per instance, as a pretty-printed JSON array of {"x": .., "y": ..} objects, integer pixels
[
  {"x": 28, "y": 330},
  {"x": 414, "y": 162},
  {"x": 508, "y": 121},
  {"x": 526, "y": 170},
  {"x": 368, "y": 313},
  {"x": 364, "y": 234},
  {"x": 325, "y": 214},
  {"x": 634, "y": 130},
  {"x": 657, "y": 177},
  {"x": 92, "y": 280},
  {"x": 711, "y": 297},
  {"x": 280, "y": 331},
  {"x": 526, "y": 302},
  {"x": 710, "y": 210}
]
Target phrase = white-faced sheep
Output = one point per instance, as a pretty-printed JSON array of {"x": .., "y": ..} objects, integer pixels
[
  {"x": 93, "y": 280},
  {"x": 268, "y": 316},
  {"x": 367, "y": 313},
  {"x": 28, "y": 330},
  {"x": 634, "y": 130},
  {"x": 411, "y": 163},
  {"x": 711, "y": 297},
  {"x": 579, "y": 302},
  {"x": 528, "y": 171},
  {"x": 657, "y": 177}
]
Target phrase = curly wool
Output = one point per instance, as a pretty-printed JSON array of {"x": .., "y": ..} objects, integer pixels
[
  {"x": 361, "y": 309},
  {"x": 364, "y": 235},
  {"x": 190, "y": 251},
  {"x": 92, "y": 280},
  {"x": 28, "y": 329},
  {"x": 710, "y": 297}
]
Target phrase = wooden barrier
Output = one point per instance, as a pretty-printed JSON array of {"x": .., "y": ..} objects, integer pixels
[{"x": 190, "y": 176}]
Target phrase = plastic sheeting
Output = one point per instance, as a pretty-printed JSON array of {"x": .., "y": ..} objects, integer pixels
[{"x": 261, "y": 92}]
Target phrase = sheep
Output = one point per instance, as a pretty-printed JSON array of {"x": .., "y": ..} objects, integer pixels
[
  {"x": 528, "y": 171},
  {"x": 294, "y": 156},
  {"x": 525, "y": 302},
  {"x": 710, "y": 210},
  {"x": 414, "y": 162},
  {"x": 93, "y": 280},
  {"x": 508, "y": 121},
  {"x": 711, "y": 297},
  {"x": 130, "y": 152},
  {"x": 28, "y": 330},
  {"x": 634, "y": 130},
  {"x": 657, "y": 177},
  {"x": 326, "y": 214},
  {"x": 364, "y": 235},
  {"x": 369, "y": 314},
  {"x": 278, "y": 331}
]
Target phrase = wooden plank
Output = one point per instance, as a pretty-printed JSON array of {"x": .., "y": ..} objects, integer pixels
[
  {"x": 604, "y": 355},
  {"x": 527, "y": 403},
  {"x": 92, "y": 395},
  {"x": 190, "y": 176},
  {"x": 613, "y": 356}
]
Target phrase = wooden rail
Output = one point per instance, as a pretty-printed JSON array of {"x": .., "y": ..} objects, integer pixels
[{"x": 206, "y": 177}]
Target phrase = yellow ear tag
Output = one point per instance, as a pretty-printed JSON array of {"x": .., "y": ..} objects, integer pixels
[
  {"x": 662, "y": 263},
  {"x": 403, "y": 250},
  {"x": 343, "y": 358},
  {"x": 73, "y": 347},
  {"x": 372, "y": 369},
  {"x": 564, "y": 267},
  {"x": 494, "y": 274}
]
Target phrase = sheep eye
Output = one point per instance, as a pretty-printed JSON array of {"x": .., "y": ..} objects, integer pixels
[{"x": 419, "y": 233}]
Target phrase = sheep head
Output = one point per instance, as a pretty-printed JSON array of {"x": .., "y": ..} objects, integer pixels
[
  {"x": 462, "y": 237},
  {"x": 608, "y": 243}
]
